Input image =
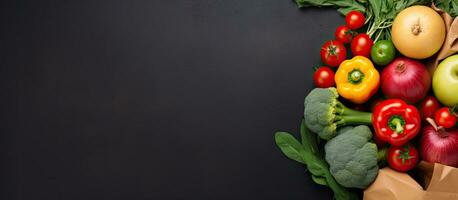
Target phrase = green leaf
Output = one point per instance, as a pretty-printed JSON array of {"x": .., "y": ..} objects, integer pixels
[
  {"x": 454, "y": 9},
  {"x": 310, "y": 3},
  {"x": 344, "y": 6},
  {"x": 387, "y": 6},
  {"x": 319, "y": 180},
  {"x": 345, "y": 10},
  {"x": 444, "y": 5},
  {"x": 289, "y": 146},
  {"x": 376, "y": 9},
  {"x": 349, "y": 5},
  {"x": 309, "y": 139},
  {"x": 316, "y": 165}
]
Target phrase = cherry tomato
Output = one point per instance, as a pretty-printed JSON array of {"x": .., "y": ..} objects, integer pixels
[
  {"x": 444, "y": 118},
  {"x": 428, "y": 107},
  {"x": 324, "y": 77},
  {"x": 333, "y": 53},
  {"x": 355, "y": 19},
  {"x": 361, "y": 45},
  {"x": 402, "y": 158},
  {"x": 343, "y": 34}
]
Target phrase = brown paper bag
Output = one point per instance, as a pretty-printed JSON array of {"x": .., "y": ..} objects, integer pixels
[
  {"x": 450, "y": 45},
  {"x": 442, "y": 183}
]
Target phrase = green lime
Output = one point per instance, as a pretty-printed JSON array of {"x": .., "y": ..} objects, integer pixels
[{"x": 383, "y": 52}]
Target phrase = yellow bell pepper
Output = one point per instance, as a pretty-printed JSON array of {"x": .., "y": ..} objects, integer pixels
[{"x": 357, "y": 79}]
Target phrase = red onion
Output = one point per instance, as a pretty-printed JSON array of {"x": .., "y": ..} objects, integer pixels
[
  {"x": 439, "y": 145},
  {"x": 405, "y": 79}
]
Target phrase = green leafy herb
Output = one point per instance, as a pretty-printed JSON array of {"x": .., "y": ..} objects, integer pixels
[
  {"x": 289, "y": 146},
  {"x": 379, "y": 13},
  {"x": 449, "y": 6},
  {"x": 308, "y": 153},
  {"x": 344, "y": 6}
]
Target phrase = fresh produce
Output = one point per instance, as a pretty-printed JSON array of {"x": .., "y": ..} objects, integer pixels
[
  {"x": 324, "y": 77},
  {"x": 352, "y": 158},
  {"x": 333, "y": 53},
  {"x": 439, "y": 145},
  {"x": 343, "y": 34},
  {"x": 379, "y": 13},
  {"x": 309, "y": 154},
  {"x": 324, "y": 113},
  {"x": 402, "y": 158},
  {"x": 344, "y": 6},
  {"x": 418, "y": 32},
  {"x": 396, "y": 122},
  {"x": 445, "y": 118},
  {"x": 428, "y": 107},
  {"x": 355, "y": 20},
  {"x": 405, "y": 79},
  {"x": 449, "y": 6},
  {"x": 383, "y": 52},
  {"x": 361, "y": 45},
  {"x": 357, "y": 79},
  {"x": 445, "y": 81}
]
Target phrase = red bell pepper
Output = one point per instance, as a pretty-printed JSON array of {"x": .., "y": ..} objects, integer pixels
[{"x": 395, "y": 121}]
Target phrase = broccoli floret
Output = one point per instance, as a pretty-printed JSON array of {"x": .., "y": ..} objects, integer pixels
[
  {"x": 324, "y": 113},
  {"x": 352, "y": 158}
]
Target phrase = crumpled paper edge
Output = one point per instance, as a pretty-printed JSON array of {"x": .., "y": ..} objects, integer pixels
[{"x": 450, "y": 45}]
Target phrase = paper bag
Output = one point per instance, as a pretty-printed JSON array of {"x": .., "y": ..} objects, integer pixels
[
  {"x": 441, "y": 180},
  {"x": 450, "y": 45}
]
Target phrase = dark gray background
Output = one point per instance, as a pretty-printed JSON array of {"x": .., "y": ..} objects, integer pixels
[{"x": 155, "y": 99}]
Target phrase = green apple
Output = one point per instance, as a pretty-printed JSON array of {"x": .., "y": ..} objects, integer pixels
[{"x": 445, "y": 81}]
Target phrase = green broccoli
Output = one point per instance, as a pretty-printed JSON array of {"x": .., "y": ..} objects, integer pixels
[
  {"x": 308, "y": 153},
  {"x": 351, "y": 157},
  {"x": 324, "y": 113}
]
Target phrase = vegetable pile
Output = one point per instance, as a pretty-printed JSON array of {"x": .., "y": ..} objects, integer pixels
[{"x": 375, "y": 103}]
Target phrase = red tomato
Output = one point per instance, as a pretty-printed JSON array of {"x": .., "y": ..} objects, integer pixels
[
  {"x": 402, "y": 158},
  {"x": 428, "y": 107},
  {"x": 355, "y": 19},
  {"x": 333, "y": 53},
  {"x": 444, "y": 118},
  {"x": 361, "y": 45},
  {"x": 343, "y": 34},
  {"x": 324, "y": 77}
]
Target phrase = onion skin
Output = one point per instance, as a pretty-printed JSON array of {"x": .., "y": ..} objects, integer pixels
[
  {"x": 405, "y": 79},
  {"x": 418, "y": 32},
  {"x": 439, "y": 147}
]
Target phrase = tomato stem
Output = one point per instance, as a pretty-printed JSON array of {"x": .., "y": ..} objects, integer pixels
[
  {"x": 404, "y": 155},
  {"x": 454, "y": 110}
]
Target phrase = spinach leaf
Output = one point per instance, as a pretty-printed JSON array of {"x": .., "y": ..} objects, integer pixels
[
  {"x": 308, "y": 141},
  {"x": 454, "y": 9},
  {"x": 376, "y": 6},
  {"x": 289, "y": 146},
  {"x": 449, "y": 6},
  {"x": 344, "y": 6},
  {"x": 320, "y": 180},
  {"x": 308, "y": 153}
]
